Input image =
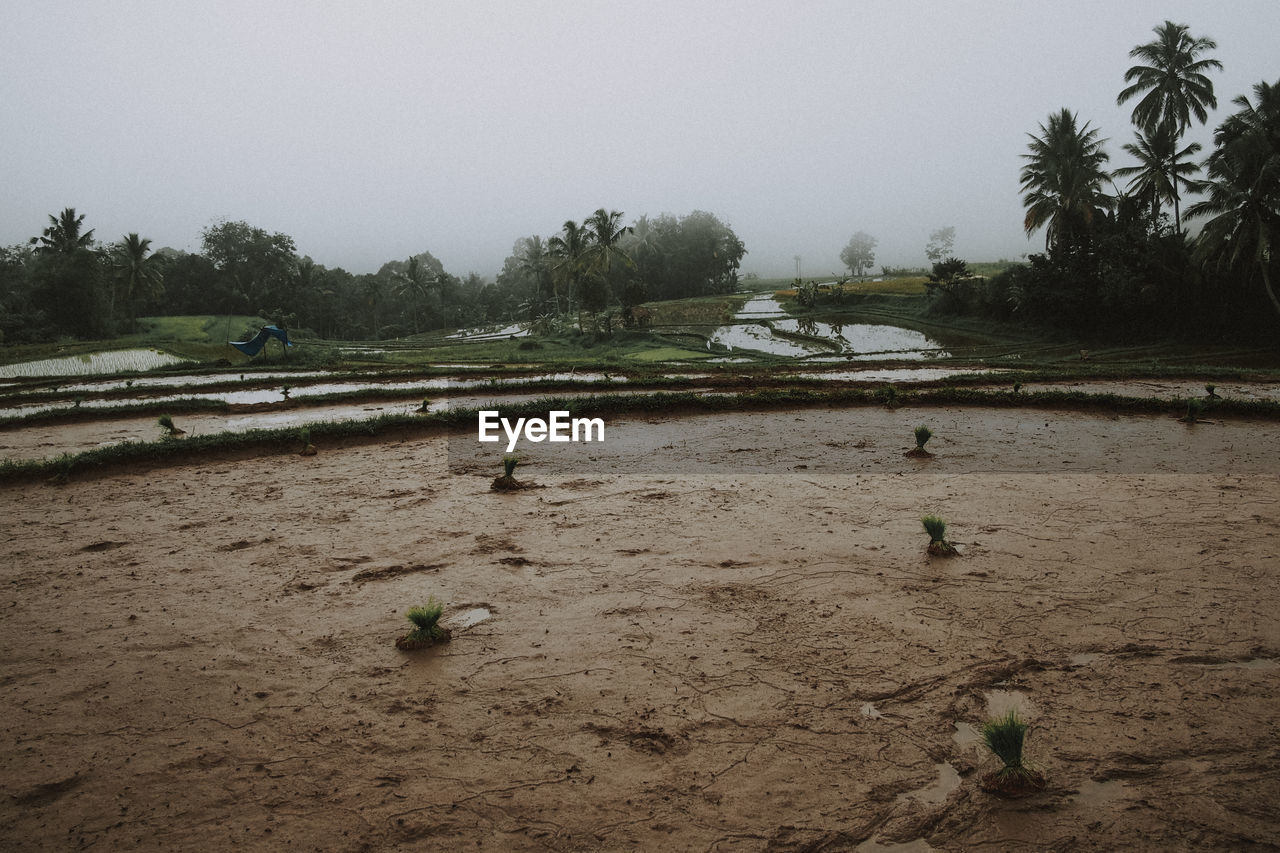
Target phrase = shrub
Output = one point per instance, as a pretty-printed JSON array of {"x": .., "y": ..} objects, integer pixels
[{"x": 171, "y": 431}]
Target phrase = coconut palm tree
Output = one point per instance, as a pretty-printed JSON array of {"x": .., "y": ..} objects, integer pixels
[
  {"x": 137, "y": 275},
  {"x": 1173, "y": 79},
  {"x": 63, "y": 234},
  {"x": 414, "y": 286},
  {"x": 1243, "y": 190},
  {"x": 1062, "y": 181},
  {"x": 534, "y": 262},
  {"x": 571, "y": 248},
  {"x": 1162, "y": 170}
]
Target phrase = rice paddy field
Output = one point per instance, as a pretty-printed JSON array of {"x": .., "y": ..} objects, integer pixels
[{"x": 720, "y": 628}]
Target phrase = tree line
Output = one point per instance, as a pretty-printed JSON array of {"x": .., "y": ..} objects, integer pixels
[
  {"x": 590, "y": 274},
  {"x": 1115, "y": 262}
]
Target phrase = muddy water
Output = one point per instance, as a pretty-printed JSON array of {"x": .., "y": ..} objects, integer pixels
[{"x": 89, "y": 364}]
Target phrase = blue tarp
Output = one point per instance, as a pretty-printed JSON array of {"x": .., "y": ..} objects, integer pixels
[{"x": 255, "y": 344}]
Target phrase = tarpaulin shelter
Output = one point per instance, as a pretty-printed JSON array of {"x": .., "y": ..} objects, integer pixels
[{"x": 254, "y": 345}]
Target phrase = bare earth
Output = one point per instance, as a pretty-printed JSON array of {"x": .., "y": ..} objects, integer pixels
[{"x": 721, "y": 634}]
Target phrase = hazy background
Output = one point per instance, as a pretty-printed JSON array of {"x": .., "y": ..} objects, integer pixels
[{"x": 374, "y": 133}]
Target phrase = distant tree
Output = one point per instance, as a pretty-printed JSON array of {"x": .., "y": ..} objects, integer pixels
[
  {"x": 138, "y": 275},
  {"x": 571, "y": 249},
  {"x": 63, "y": 236},
  {"x": 859, "y": 254},
  {"x": 414, "y": 285},
  {"x": 1243, "y": 191},
  {"x": 1062, "y": 181},
  {"x": 258, "y": 269},
  {"x": 940, "y": 243}
]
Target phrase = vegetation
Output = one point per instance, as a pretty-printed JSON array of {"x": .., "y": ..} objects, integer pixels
[
  {"x": 1006, "y": 737},
  {"x": 923, "y": 434},
  {"x": 859, "y": 254},
  {"x": 508, "y": 483},
  {"x": 937, "y": 529},
  {"x": 166, "y": 423},
  {"x": 426, "y": 630},
  {"x": 1114, "y": 265}
]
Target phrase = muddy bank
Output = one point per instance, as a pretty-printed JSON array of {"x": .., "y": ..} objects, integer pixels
[{"x": 765, "y": 659}]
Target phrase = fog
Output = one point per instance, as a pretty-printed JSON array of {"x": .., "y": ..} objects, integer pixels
[{"x": 374, "y": 133}]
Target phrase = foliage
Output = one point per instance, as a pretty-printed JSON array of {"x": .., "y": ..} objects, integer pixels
[
  {"x": 1173, "y": 78},
  {"x": 923, "y": 434},
  {"x": 859, "y": 253},
  {"x": 509, "y": 464},
  {"x": 1062, "y": 182},
  {"x": 940, "y": 244},
  {"x": 425, "y": 618}
]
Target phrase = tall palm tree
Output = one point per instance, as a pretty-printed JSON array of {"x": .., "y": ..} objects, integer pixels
[
  {"x": 1062, "y": 181},
  {"x": 414, "y": 286},
  {"x": 137, "y": 275},
  {"x": 1162, "y": 170},
  {"x": 63, "y": 234},
  {"x": 1243, "y": 190},
  {"x": 1173, "y": 78},
  {"x": 534, "y": 262},
  {"x": 571, "y": 248}
]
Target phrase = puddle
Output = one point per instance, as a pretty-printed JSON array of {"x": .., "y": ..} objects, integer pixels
[
  {"x": 468, "y": 618},
  {"x": 967, "y": 737},
  {"x": 871, "y": 845},
  {"x": 865, "y": 338},
  {"x": 1100, "y": 793},
  {"x": 761, "y": 339},
  {"x": 762, "y": 307},
  {"x": 1001, "y": 702},
  {"x": 1085, "y": 658},
  {"x": 89, "y": 364},
  {"x": 489, "y": 334},
  {"x": 904, "y": 374},
  {"x": 870, "y": 711},
  {"x": 935, "y": 794}
]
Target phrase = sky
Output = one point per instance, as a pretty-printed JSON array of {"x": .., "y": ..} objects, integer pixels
[{"x": 370, "y": 132}]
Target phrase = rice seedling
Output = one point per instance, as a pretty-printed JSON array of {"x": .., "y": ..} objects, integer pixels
[
  {"x": 1017, "y": 387},
  {"x": 308, "y": 449},
  {"x": 426, "y": 405},
  {"x": 1005, "y": 737},
  {"x": 426, "y": 629},
  {"x": 284, "y": 390},
  {"x": 889, "y": 395},
  {"x": 923, "y": 434},
  {"x": 507, "y": 482},
  {"x": 171, "y": 431},
  {"x": 1211, "y": 391},
  {"x": 1195, "y": 408},
  {"x": 937, "y": 530}
]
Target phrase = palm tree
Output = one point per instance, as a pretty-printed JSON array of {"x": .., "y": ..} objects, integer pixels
[
  {"x": 414, "y": 286},
  {"x": 63, "y": 234},
  {"x": 1062, "y": 181},
  {"x": 1173, "y": 78},
  {"x": 534, "y": 263},
  {"x": 571, "y": 247},
  {"x": 137, "y": 275},
  {"x": 1243, "y": 189},
  {"x": 1161, "y": 171}
]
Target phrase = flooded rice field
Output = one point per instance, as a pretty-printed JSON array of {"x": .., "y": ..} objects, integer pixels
[{"x": 91, "y": 364}]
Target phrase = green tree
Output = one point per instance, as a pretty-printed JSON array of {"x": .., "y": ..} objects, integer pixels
[
  {"x": 258, "y": 269},
  {"x": 571, "y": 249},
  {"x": 940, "y": 243},
  {"x": 859, "y": 254},
  {"x": 137, "y": 274},
  {"x": 415, "y": 285},
  {"x": 1243, "y": 191},
  {"x": 1162, "y": 169},
  {"x": 63, "y": 236},
  {"x": 1062, "y": 181},
  {"x": 1173, "y": 78}
]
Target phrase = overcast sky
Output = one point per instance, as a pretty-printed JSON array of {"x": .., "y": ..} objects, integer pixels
[{"x": 370, "y": 132}]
